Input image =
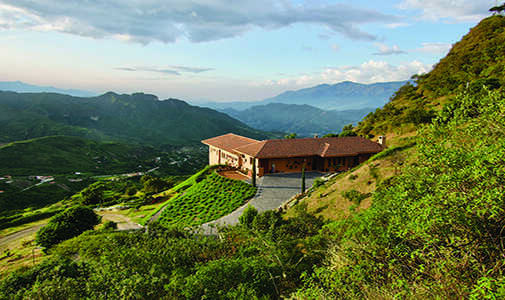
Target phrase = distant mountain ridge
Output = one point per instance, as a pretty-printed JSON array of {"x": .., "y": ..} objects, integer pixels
[
  {"x": 21, "y": 87},
  {"x": 345, "y": 95},
  {"x": 136, "y": 118},
  {"x": 304, "y": 120},
  {"x": 341, "y": 96}
]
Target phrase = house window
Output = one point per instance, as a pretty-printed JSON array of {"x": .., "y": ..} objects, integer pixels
[{"x": 251, "y": 160}]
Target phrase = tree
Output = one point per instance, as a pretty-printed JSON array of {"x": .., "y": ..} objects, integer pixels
[
  {"x": 67, "y": 224},
  {"x": 155, "y": 185},
  {"x": 497, "y": 9},
  {"x": 290, "y": 136},
  {"x": 93, "y": 194},
  {"x": 347, "y": 130}
]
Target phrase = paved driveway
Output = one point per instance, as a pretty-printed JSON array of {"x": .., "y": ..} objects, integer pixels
[{"x": 273, "y": 191}]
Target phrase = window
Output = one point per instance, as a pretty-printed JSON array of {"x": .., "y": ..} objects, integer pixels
[{"x": 251, "y": 160}]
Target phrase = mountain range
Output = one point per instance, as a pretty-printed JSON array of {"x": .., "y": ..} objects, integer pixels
[
  {"x": 304, "y": 120},
  {"x": 136, "y": 118},
  {"x": 21, "y": 87},
  {"x": 345, "y": 95}
]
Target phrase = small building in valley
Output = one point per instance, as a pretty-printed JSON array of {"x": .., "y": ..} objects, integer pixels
[{"x": 289, "y": 155}]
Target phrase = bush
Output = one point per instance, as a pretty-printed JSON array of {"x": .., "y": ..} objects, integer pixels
[
  {"x": 67, "y": 224},
  {"x": 248, "y": 216},
  {"x": 109, "y": 225},
  {"x": 317, "y": 183}
]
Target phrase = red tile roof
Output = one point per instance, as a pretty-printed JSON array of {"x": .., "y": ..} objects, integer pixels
[
  {"x": 324, "y": 147},
  {"x": 228, "y": 141}
]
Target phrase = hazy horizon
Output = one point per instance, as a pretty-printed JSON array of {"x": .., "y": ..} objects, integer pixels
[{"x": 220, "y": 51}]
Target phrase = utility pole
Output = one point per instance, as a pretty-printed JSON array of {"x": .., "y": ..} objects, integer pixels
[{"x": 254, "y": 172}]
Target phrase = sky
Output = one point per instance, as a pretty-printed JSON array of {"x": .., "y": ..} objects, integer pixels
[{"x": 226, "y": 50}]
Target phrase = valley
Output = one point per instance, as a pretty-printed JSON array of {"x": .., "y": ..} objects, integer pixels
[{"x": 108, "y": 196}]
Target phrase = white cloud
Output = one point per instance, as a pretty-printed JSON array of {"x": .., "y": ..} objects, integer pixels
[
  {"x": 167, "y": 21},
  {"x": 368, "y": 72},
  {"x": 386, "y": 50},
  {"x": 434, "y": 48},
  {"x": 453, "y": 10},
  {"x": 170, "y": 70},
  {"x": 397, "y": 25}
]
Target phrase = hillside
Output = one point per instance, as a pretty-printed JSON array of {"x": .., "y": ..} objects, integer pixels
[
  {"x": 55, "y": 155},
  {"x": 304, "y": 120},
  {"x": 424, "y": 218},
  {"x": 476, "y": 61},
  {"x": 136, "y": 118}
]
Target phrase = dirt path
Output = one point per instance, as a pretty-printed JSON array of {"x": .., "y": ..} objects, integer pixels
[
  {"x": 123, "y": 222},
  {"x": 7, "y": 240}
]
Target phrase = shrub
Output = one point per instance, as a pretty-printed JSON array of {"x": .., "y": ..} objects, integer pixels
[
  {"x": 248, "y": 216},
  {"x": 67, "y": 224},
  {"x": 109, "y": 225},
  {"x": 317, "y": 183}
]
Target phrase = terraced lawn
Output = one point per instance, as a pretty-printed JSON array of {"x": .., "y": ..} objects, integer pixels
[{"x": 208, "y": 199}]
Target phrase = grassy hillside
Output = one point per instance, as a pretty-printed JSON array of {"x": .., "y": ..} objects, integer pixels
[
  {"x": 476, "y": 61},
  {"x": 136, "y": 118},
  {"x": 65, "y": 155},
  {"x": 424, "y": 218}
]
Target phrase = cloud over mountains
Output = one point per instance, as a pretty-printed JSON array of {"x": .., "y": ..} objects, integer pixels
[{"x": 168, "y": 21}]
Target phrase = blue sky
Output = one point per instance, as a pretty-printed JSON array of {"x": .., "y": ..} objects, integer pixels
[{"x": 225, "y": 50}]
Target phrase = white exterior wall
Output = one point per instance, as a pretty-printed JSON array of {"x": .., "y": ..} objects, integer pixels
[
  {"x": 221, "y": 157},
  {"x": 213, "y": 156},
  {"x": 247, "y": 163}
]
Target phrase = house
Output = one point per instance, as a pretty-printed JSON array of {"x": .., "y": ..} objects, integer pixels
[{"x": 289, "y": 155}]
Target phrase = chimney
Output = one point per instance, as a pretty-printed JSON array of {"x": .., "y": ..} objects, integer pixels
[{"x": 382, "y": 140}]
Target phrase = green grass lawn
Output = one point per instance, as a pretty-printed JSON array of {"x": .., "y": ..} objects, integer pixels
[{"x": 209, "y": 198}]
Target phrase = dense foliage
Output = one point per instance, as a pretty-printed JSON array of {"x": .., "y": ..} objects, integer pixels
[
  {"x": 265, "y": 261},
  {"x": 212, "y": 197},
  {"x": 436, "y": 230},
  {"x": 67, "y": 224}
]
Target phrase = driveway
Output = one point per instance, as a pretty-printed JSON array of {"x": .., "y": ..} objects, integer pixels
[{"x": 273, "y": 191}]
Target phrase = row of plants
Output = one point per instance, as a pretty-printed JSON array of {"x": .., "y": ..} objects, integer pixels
[{"x": 209, "y": 198}]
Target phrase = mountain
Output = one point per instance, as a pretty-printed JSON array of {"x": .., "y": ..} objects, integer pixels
[
  {"x": 345, "y": 95},
  {"x": 136, "y": 118},
  {"x": 341, "y": 96},
  {"x": 21, "y": 87},
  {"x": 304, "y": 120}
]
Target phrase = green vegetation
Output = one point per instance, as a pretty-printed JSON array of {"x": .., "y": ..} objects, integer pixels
[
  {"x": 58, "y": 155},
  {"x": 209, "y": 198},
  {"x": 436, "y": 229},
  {"x": 67, "y": 224},
  {"x": 23, "y": 193},
  {"x": 423, "y": 219},
  {"x": 138, "y": 118},
  {"x": 264, "y": 261}
]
